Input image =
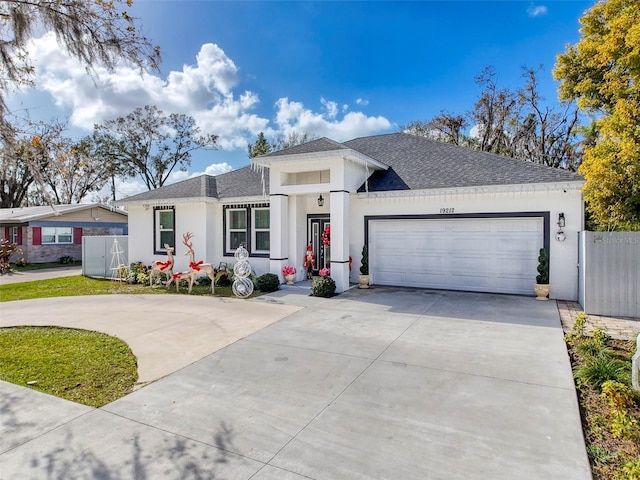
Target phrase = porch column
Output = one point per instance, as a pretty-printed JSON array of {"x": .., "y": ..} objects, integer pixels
[
  {"x": 339, "y": 211},
  {"x": 279, "y": 233}
]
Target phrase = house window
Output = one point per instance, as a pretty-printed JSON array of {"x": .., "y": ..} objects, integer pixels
[
  {"x": 53, "y": 235},
  {"x": 14, "y": 236},
  {"x": 260, "y": 230},
  {"x": 247, "y": 225},
  {"x": 164, "y": 228},
  {"x": 236, "y": 228}
]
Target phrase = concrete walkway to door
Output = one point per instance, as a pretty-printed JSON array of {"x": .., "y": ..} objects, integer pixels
[{"x": 378, "y": 384}]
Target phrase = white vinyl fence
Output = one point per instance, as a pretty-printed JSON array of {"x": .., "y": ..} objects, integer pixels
[
  {"x": 609, "y": 281},
  {"x": 102, "y": 254}
]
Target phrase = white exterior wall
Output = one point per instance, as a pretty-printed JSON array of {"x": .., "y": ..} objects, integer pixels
[
  {"x": 202, "y": 219},
  {"x": 563, "y": 261}
]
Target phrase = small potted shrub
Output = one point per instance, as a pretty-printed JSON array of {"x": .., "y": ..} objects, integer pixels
[
  {"x": 289, "y": 274},
  {"x": 542, "y": 286},
  {"x": 363, "y": 278}
]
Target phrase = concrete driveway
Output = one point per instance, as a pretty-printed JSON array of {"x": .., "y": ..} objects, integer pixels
[{"x": 378, "y": 384}]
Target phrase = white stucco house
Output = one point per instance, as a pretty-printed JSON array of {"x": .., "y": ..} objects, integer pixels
[{"x": 433, "y": 215}]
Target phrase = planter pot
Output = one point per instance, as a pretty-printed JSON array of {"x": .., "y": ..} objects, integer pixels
[
  {"x": 363, "y": 281},
  {"x": 289, "y": 279},
  {"x": 542, "y": 291}
]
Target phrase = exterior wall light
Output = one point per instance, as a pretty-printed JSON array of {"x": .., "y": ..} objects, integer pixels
[
  {"x": 320, "y": 201},
  {"x": 561, "y": 220},
  {"x": 560, "y": 236}
]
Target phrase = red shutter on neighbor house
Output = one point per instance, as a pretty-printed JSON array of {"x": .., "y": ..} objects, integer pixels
[
  {"x": 77, "y": 235},
  {"x": 37, "y": 235},
  {"x": 19, "y": 235}
]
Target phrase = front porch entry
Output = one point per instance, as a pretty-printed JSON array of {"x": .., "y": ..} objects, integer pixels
[{"x": 315, "y": 226}]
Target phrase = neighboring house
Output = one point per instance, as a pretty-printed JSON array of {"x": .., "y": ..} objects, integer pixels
[
  {"x": 47, "y": 233},
  {"x": 433, "y": 215}
]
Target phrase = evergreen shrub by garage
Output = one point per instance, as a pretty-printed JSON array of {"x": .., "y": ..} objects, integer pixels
[{"x": 268, "y": 282}]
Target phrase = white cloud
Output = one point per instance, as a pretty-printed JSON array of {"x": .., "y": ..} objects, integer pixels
[
  {"x": 292, "y": 116},
  {"x": 362, "y": 101},
  {"x": 536, "y": 10},
  {"x": 330, "y": 107},
  {"x": 205, "y": 91}
]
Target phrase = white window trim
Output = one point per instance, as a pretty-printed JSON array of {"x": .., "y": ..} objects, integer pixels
[
  {"x": 230, "y": 230},
  {"x": 57, "y": 236},
  {"x": 255, "y": 230},
  {"x": 158, "y": 244},
  {"x": 13, "y": 235}
]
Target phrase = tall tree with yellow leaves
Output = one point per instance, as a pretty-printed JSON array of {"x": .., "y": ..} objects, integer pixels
[{"x": 602, "y": 73}]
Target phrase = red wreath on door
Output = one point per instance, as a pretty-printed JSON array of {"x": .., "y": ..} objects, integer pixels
[{"x": 326, "y": 236}]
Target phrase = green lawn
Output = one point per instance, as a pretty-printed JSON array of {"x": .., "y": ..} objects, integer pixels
[
  {"x": 79, "y": 285},
  {"x": 79, "y": 365}
]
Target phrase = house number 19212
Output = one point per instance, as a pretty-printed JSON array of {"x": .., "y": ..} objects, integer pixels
[{"x": 447, "y": 210}]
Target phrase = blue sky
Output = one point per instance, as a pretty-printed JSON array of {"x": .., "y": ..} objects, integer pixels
[{"x": 336, "y": 69}]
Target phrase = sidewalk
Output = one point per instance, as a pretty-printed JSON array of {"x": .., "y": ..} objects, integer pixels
[
  {"x": 618, "y": 328},
  {"x": 45, "y": 273}
]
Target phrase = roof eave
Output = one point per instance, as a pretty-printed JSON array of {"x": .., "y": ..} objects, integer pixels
[{"x": 571, "y": 185}]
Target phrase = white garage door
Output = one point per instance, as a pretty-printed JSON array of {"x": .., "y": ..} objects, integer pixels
[{"x": 477, "y": 254}]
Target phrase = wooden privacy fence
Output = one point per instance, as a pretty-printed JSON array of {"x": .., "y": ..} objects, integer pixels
[
  {"x": 609, "y": 270},
  {"x": 101, "y": 254}
]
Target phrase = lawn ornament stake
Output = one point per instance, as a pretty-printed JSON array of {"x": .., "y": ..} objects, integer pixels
[
  {"x": 159, "y": 267},
  {"x": 197, "y": 268}
]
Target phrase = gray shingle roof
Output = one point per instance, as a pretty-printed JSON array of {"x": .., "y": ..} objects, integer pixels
[
  {"x": 422, "y": 163},
  {"x": 244, "y": 182},
  {"x": 323, "y": 144},
  {"x": 29, "y": 214},
  {"x": 416, "y": 163}
]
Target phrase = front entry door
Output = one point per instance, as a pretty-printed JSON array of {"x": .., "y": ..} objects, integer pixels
[{"x": 320, "y": 250}]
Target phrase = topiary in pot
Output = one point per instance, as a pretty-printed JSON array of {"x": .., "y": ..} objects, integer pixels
[
  {"x": 542, "y": 287},
  {"x": 363, "y": 278},
  {"x": 268, "y": 282}
]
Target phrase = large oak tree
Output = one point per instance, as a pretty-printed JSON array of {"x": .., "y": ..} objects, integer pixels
[{"x": 150, "y": 145}]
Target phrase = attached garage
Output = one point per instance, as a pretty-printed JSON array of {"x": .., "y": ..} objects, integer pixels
[{"x": 489, "y": 254}]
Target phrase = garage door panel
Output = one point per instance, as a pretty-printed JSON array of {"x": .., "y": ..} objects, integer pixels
[{"x": 489, "y": 255}]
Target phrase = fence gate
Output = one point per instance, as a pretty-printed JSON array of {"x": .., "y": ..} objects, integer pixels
[
  {"x": 610, "y": 273},
  {"x": 99, "y": 254}
]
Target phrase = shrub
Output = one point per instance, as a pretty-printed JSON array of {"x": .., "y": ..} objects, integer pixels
[
  {"x": 593, "y": 347},
  {"x": 618, "y": 395},
  {"x": 268, "y": 282},
  {"x": 223, "y": 279},
  {"x": 138, "y": 267},
  {"x": 323, "y": 287},
  {"x": 142, "y": 278},
  {"x": 630, "y": 471},
  {"x": 599, "y": 370},
  {"x": 66, "y": 259},
  {"x": 7, "y": 250},
  {"x": 577, "y": 332}
]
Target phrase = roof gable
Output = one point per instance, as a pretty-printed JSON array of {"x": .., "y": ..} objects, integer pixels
[{"x": 323, "y": 144}]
